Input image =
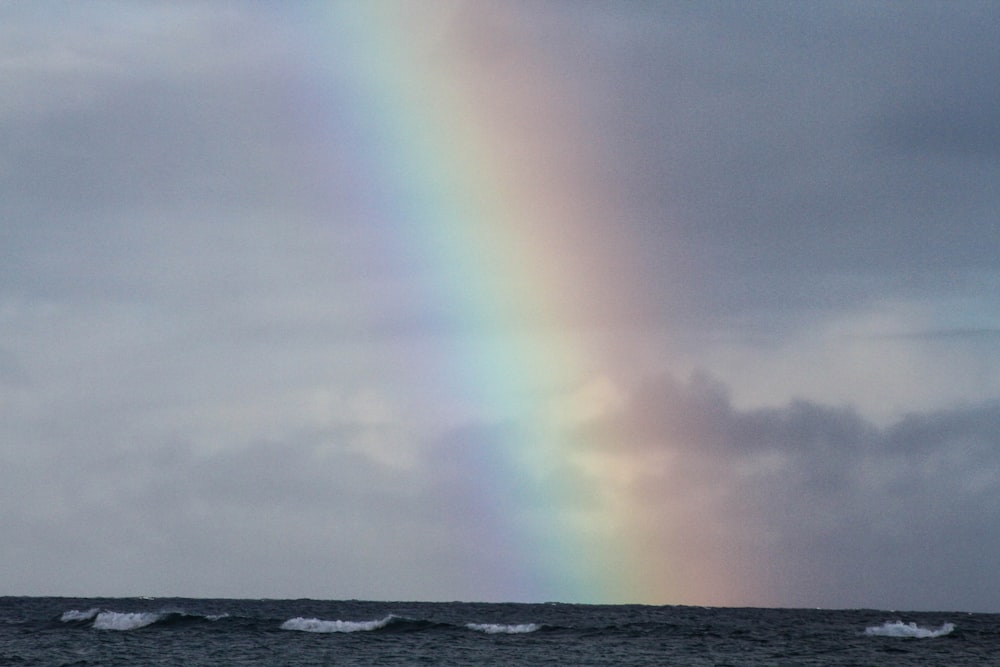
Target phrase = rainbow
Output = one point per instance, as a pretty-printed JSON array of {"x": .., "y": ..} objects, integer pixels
[{"x": 488, "y": 183}]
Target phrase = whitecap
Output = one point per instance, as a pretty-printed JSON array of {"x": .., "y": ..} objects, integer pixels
[
  {"x": 113, "y": 620},
  {"x": 319, "y": 625},
  {"x": 77, "y": 615},
  {"x": 900, "y": 629},
  {"x": 499, "y": 628}
]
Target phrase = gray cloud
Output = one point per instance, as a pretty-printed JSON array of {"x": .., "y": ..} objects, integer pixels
[
  {"x": 815, "y": 503},
  {"x": 224, "y": 371},
  {"x": 774, "y": 140},
  {"x": 129, "y": 517}
]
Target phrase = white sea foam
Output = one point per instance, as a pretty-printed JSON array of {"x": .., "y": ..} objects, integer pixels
[
  {"x": 318, "y": 625},
  {"x": 499, "y": 628},
  {"x": 900, "y": 629},
  {"x": 77, "y": 615},
  {"x": 113, "y": 620}
]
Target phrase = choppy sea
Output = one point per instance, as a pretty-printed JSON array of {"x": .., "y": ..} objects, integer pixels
[{"x": 86, "y": 632}]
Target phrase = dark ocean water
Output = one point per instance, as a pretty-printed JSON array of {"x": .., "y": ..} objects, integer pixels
[{"x": 296, "y": 633}]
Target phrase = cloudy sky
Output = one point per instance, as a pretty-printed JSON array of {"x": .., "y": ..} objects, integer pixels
[{"x": 742, "y": 347}]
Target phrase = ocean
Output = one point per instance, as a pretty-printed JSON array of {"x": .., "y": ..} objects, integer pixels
[{"x": 85, "y": 632}]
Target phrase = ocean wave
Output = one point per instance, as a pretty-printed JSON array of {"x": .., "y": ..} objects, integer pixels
[
  {"x": 319, "y": 625},
  {"x": 114, "y": 620},
  {"x": 77, "y": 616},
  {"x": 500, "y": 628},
  {"x": 900, "y": 629},
  {"x": 105, "y": 619}
]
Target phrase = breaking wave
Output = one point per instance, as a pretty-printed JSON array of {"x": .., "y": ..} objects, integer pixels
[
  {"x": 319, "y": 625},
  {"x": 113, "y": 620},
  {"x": 900, "y": 629},
  {"x": 499, "y": 628},
  {"x": 103, "y": 619},
  {"x": 75, "y": 615},
  {"x": 393, "y": 623}
]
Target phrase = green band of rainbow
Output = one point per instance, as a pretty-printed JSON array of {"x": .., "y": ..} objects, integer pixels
[{"x": 483, "y": 182}]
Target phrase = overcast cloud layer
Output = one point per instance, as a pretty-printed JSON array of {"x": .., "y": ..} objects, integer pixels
[{"x": 201, "y": 340}]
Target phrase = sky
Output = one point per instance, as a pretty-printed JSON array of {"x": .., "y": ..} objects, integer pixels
[{"x": 667, "y": 303}]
